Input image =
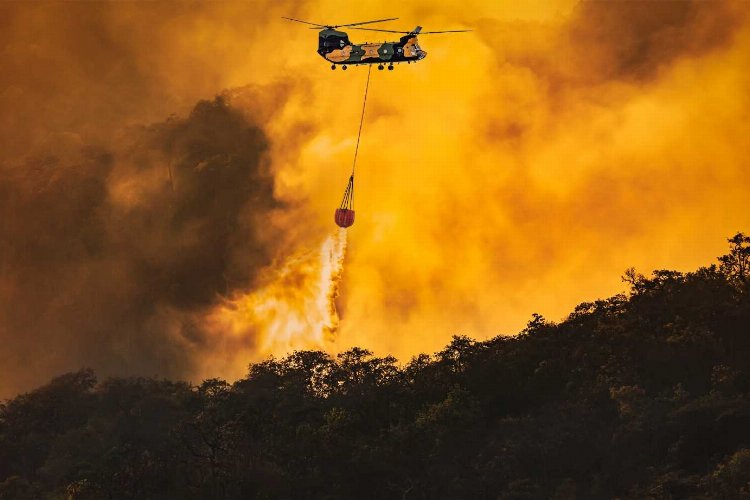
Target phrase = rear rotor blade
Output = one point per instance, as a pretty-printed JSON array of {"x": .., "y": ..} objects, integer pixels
[
  {"x": 447, "y": 31},
  {"x": 305, "y": 22}
]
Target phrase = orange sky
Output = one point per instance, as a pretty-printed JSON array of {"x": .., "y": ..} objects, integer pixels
[{"x": 519, "y": 168}]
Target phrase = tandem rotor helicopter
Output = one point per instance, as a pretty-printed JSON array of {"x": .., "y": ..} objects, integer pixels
[{"x": 335, "y": 47}]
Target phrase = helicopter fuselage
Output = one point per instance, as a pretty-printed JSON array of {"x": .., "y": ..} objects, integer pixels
[{"x": 334, "y": 46}]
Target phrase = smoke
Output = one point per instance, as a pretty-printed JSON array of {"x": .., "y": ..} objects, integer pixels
[
  {"x": 530, "y": 163},
  {"x": 519, "y": 168},
  {"x": 112, "y": 257},
  {"x": 127, "y": 211}
]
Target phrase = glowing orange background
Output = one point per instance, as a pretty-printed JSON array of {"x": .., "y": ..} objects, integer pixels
[{"x": 519, "y": 168}]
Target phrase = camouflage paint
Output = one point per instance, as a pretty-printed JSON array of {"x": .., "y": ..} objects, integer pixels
[
  {"x": 340, "y": 55},
  {"x": 411, "y": 48},
  {"x": 335, "y": 47}
]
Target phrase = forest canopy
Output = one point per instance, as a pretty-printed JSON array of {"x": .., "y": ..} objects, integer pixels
[{"x": 644, "y": 394}]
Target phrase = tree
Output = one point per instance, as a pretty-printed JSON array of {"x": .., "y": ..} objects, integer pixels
[{"x": 736, "y": 264}]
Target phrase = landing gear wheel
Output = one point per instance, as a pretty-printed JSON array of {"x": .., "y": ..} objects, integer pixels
[
  {"x": 390, "y": 68},
  {"x": 343, "y": 67},
  {"x": 333, "y": 66},
  {"x": 381, "y": 67}
]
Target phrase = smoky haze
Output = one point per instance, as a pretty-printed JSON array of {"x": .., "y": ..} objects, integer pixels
[{"x": 520, "y": 168}]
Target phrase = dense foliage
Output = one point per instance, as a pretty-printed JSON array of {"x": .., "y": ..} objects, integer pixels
[{"x": 644, "y": 395}]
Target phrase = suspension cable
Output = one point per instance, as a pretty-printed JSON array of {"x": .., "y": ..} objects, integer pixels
[
  {"x": 346, "y": 203},
  {"x": 361, "y": 119}
]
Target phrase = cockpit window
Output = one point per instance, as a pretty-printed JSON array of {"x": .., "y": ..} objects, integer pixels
[{"x": 335, "y": 41}]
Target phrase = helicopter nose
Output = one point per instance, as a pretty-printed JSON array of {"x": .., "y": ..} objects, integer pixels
[{"x": 421, "y": 54}]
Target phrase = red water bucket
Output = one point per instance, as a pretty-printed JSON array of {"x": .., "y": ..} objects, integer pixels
[{"x": 344, "y": 217}]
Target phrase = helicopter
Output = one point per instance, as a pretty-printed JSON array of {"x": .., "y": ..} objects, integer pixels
[{"x": 334, "y": 45}]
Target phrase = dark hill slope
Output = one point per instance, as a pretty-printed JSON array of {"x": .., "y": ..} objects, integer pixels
[{"x": 645, "y": 395}]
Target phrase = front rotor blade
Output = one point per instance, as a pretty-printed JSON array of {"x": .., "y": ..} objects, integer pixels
[
  {"x": 365, "y": 22},
  {"x": 413, "y": 33},
  {"x": 305, "y": 22},
  {"x": 384, "y": 31}
]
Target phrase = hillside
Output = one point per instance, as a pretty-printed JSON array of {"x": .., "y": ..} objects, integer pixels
[{"x": 641, "y": 395}]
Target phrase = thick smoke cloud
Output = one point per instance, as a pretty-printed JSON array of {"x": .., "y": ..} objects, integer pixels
[
  {"x": 603, "y": 42},
  {"x": 196, "y": 237},
  {"x": 120, "y": 227},
  {"x": 631, "y": 41},
  {"x": 111, "y": 257}
]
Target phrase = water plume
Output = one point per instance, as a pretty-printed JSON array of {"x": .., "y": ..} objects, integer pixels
[{"x": 294, "y": 307}]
